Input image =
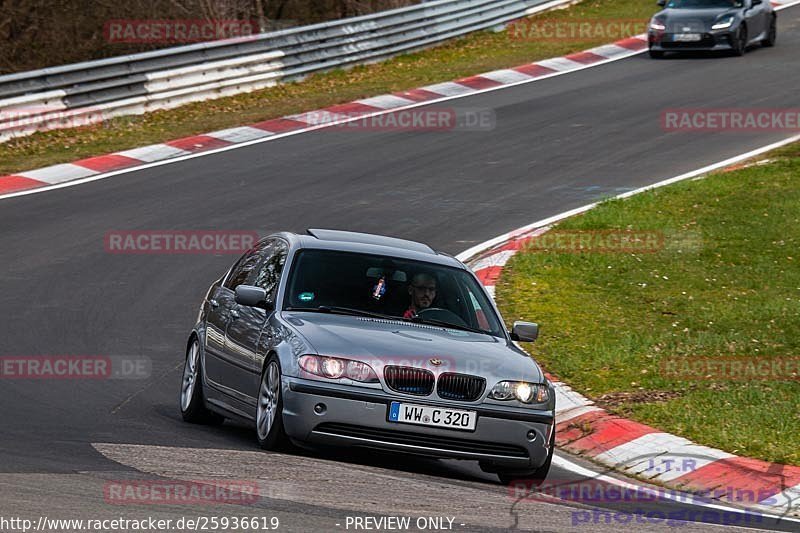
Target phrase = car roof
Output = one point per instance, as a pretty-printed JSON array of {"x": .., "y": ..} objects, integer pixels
[{"x": 349, "y": 241}]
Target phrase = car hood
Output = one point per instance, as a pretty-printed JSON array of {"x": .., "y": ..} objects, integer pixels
[
  {"x": 382, "y": 343},
  {"x": 692, "y": 17}
]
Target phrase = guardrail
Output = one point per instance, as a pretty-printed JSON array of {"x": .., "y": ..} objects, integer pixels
[{"x": 90, "y": 92}]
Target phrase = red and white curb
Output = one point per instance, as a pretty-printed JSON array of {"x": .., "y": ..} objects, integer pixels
[{"x": 634, "y": 448}]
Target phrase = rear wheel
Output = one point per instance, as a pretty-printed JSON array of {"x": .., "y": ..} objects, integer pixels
[
  {"x": 535, "y": 476},
  {"x": 740, "y": 41},
  {"x": 269, "y": 416},
  {"x": 192, "y": 402},
  {"x": 772, "y": 33},
  {"x": 656, "y": 54}
]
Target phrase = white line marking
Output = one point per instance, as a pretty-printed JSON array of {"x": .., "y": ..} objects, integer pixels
[{"x": 500, "y": 239}]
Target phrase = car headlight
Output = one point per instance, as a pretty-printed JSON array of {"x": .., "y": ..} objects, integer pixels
[
  {"x": 336, "y": 368},
  {"x": 723, "y": 23},
  {"x": 657, "y": 24},
  {"x": 520, "y": 390}
]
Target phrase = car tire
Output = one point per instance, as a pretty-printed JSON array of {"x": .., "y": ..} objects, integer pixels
[
  {"x": 772, "y": 33},
  {"x": 656, "y": 54},
  {"x": 192, "y": 399},
  {"x": 269, "y": 416},
  {"x": 740, "y": 42},
  {"x": 535, "y": 477}
]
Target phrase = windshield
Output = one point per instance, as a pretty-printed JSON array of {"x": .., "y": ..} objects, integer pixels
[
  {"x": 354, "y": 283},
  {"x": 704, "y": 4}
]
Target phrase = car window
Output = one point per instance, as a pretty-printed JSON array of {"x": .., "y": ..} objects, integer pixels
[
  {"x": 242, "y": 269},
  {"x": 390, "y": 286},
  {"x": 703, "y": 4},
  {"x": 268, "y": 276}
]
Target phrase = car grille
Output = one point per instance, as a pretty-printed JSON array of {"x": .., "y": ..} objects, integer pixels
[
  {"x": 691, "y": 26},
  {"x": 409, "y": 380},
  {"x": 417, "y": 439},
  {"x": 460, "y": 387}
]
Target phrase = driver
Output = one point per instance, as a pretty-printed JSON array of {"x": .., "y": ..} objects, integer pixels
[{"x": 422, "y": 291}]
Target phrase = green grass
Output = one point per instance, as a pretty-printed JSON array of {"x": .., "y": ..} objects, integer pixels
[
  {"x": 471, "y": 55},
  {"x": 726, "y": 283}
]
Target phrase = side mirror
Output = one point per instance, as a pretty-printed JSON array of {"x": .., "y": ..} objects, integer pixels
[
  {"x": 525, "y": 332},
  {"x": 250, "y": 296},
  {"x": 662, "y": 3}
]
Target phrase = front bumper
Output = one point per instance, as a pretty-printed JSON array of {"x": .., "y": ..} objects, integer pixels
[
  {"x": 359, "y": 417},
  {"x": 711, "y": 40}
]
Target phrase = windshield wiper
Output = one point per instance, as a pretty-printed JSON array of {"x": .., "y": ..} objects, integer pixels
[{"x": 442, "y": 323}]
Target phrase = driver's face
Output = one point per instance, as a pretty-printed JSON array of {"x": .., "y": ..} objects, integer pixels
[{"x": 423, "y": 292}]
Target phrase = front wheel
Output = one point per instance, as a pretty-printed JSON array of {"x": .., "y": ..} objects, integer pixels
[
  {"x": 740, "y": 41},
  {"x": 269, "y": 417},
  {"x": 772, "y": 34},
  {"x": 192, "y": 403}
]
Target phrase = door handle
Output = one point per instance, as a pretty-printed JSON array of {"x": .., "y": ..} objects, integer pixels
[
  {"x": 213, "y": 303},
  {"x": 234, "y": 314}
]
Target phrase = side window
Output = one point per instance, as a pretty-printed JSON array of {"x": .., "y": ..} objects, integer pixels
[
  {"x": 269, "y": 276},
  {"x": 242, "y": 270}
]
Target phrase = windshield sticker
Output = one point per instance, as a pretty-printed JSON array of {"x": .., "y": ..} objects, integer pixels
[{"x": 306, "y": 296}]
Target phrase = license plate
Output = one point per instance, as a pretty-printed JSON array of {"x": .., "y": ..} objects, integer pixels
[
  {"x": 687, "y": 37},
  {"x": 425, "y": 415}
]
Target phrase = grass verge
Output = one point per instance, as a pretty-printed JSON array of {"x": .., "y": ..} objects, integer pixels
[
  {"x": 725, "y": 282},
  {"x": 479, "y": 52}
]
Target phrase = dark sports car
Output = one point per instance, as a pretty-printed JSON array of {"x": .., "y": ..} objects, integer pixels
[
  {"x": 694, "y": 25},
  {"x": 361, "y": 340}
]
